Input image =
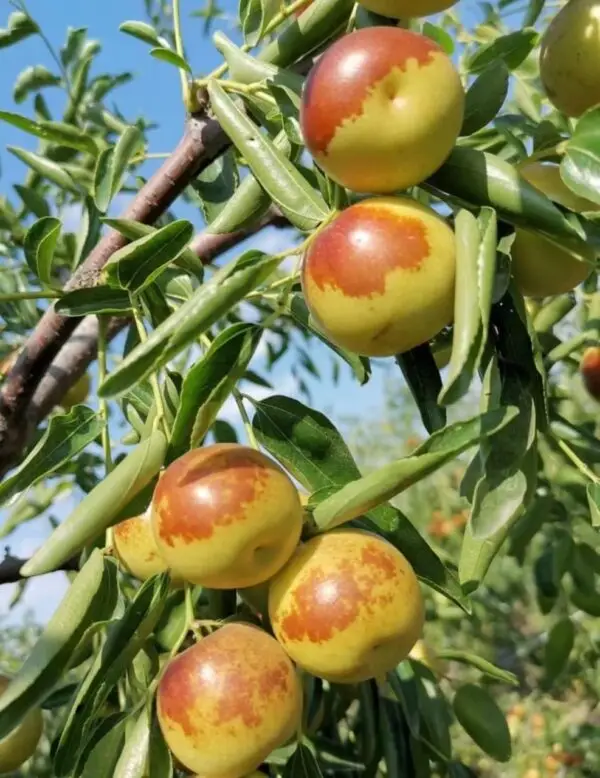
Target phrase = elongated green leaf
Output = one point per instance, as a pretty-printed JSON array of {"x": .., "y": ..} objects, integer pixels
[
  {"x": 580, "y": 167},
  {"x": 593, "y": 496},
  {"x": 103, "y": 752},
  {"x": 371, "y": 490},
  {"x": 393, "y": 734},
  {"x": 558, "y": 649},
  {"x": 112, "y": 166},
  {"x": 53, "y": 132},
  {"x": 485, "y": 98},
  {"x": 277, "y": 175},
  {"x": 246, "y": 69},
  {"x": 171, "y": 57},
  {"x": 254, "y": 17},
  {"x": 93, "y": 299},
  {"x": 134, "y": 756},
  {"x": 208, "y": 384},
  {"x": 19, "y": 27},
  {"x": 101, "y": 507},
  {"x": 91, "y": 596},
  {"x": 32, "y": 79},
  {"x": 88, "y": 233},
  {"x": 142, "y": 31},
  {"x": 511, "y": 49},
  {"x": 485, "y": 667},
  {"x": 137, "y": 265},
  {"x": 65, "y": 437},
  {"x": 423, "y": 379},
  {"x": 475, "y": 273},
  {"x": 124, "y": 640},
  {"x": 302, "y": 764},
  {"x": 46, "y": 168},
  {"x": 483, "y": 720},
  {"x": 39, "y": 246},
  {"x": 216, "y": 185},
  {"x": 33, "y": 200},
  {"x": 226, "y": 287}
]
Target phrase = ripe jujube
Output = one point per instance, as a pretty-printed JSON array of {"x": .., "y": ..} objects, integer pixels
[
  {"x": 225, "y": 703},
  {"x": 136, "y": 549},
  {"x": 19, "y": 745},
  {"x": 347, "y": 606},
  {"x": 379, "y": 279},
  {"x": 225, "y": 516},
  {"x": 381, "y": 109}
]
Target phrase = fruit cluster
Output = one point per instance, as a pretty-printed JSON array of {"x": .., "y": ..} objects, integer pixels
[{"x": 343, "y": 605}]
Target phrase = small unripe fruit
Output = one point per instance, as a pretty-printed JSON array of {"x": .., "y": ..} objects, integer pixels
[
  {"x": 347, "y": 607},
  {"x": 406, "y": 9},
  {"x": 590, "y": 371},
  {"x": 226, "y": 516},
  {"x": 77, "y": 393},
  {"x": 224, "y": 704},
  {"x": 379, "y": 280},
  {"x": 569, "y": 57},
  {"x": 135, "y": 547},
  {"x": 381, "y": 109},
  {"x": 540, "y": 267},
  {"x": 19, "y": 745},
  {"x": 423, "y": 653}
]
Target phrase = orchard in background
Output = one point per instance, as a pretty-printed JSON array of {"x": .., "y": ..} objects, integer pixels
[{"x": 410, "y": 594}]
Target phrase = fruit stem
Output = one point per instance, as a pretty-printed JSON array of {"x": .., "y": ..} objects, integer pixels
[
  {"x": 185, "y": 85},
  {"x": 579, "y": 463},
  {"x": 46, "y": 294},
  {"x": 245, "y": 419}
]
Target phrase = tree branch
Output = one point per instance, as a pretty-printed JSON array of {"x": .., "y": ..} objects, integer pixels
[{"x": 11, "y": 565}]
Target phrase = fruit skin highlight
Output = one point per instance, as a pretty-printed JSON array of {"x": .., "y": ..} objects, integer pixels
[
  {"x": 135, "y": 547},
  {"x": 381, "y": 109},
  {"x": 225, "y": 703},
  {"x": 379, "y": 279},
  {"x": 540, "y": 267},
  {"x": 406, "y": 9},
  {"x": 225, "y": 516},
  {"x": 347, "y": 606},
  {"x": 569, "y": 57},
  {"x": 18, "y": 746},
  {"x": 590, "y": 371}
]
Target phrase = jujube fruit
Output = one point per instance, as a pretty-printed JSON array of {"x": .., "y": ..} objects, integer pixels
[
  {"x": 422, "y": 652},
  {"x": 225, "y": 516},
  {"x": 347, "y": 606},
  {"x": 135, "y": 547},
  {"x": 20, "y": 744},
  {"x": 569, "y": 56},
  {"x": 406, "y": 9},
  {"x": 542, "y": 268},
  {"x": 77, "y": 393},
  {"x": 381, "y": 109},
  {"x": 590, "y": 371},
  {"x": 379, "y": 279},
  {"x": 225, "y": 703}
]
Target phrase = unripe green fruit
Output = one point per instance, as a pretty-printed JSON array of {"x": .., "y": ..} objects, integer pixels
[
  {"x": 569, "y": 57},
  {"x": 406, "y": 9},
  {"x": 77, "y": 393},
  {"x": 540, "y": 267},
  {"x": 18, "y": 746},
  {"x": 381, "y": 109},
  {"x": 379, "y": 279}
]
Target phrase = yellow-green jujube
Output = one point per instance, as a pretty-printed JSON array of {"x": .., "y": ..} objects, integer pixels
[
  {"x": 20, "y": 744},
  {"x": 540, "y": 267},
  {"x": 569, "y": 57},
  {"x": 381, "y": 109},
  {"x": 406, "y": 9},
  {"x": 77, "y": 393},
  {"x": 379, "y": 279},
  {"x": 136, "y": 549}
]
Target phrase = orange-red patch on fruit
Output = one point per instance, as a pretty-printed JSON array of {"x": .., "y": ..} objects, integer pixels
[
  {"x": 590, "y": 370},
  {"x": 347, "y": 72},
  {"x": 208, "y": 488},
  {"x": 326, "y": 603},
  {"x": 357, "y": 251},
  {"x": 177, "y": 692}
]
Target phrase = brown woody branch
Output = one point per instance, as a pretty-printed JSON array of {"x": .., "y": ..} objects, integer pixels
[{"x": 11, "y": 565}]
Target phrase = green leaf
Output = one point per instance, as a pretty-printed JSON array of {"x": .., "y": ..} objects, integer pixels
[
  {"x": 91, "y": 596},
  {"x": 39, "y": 246},
  {"x": 393, "y": 734},
  {"x": 511, "y": 49},
  {"x": 160, "y": 762},
  {"x": 246, "y": 69},
  {"x": 302, "y": 764},
  {"x": 46, "y": 168},
  {"x": 360, "y": 366},
  {"x": 64, "y": 438},
  {"x": 423, "y": 379},
  {"x": 112, "y": 165},
  {"x": 443, "y": 446},
  {"x": 73, "y": 45},
  {"x": 93, "y": 300},
  {"x": 53, "y": 132},
  {"x": 475, "y": 272},
  {"x": 142, "y": 31},
  {"x": 483, "y": 721},
  {"x": 124, "y": 640},
  {"x": 137, "y": 265},
  {"x": 286, "y": 186},
  {"x": 593, "y": 497},
  {"x": 134, "y": 756},
  {"x": 19, "y": 27},
  {"x": 33, "y": 200},
  {"x": 32, "y": 79},
  {"x": 485, "y": 97},
  {"x": 170, "y": 56},
  {"x": 228, "y": 285},
  {"x": 208, "y": 384},
  {"x": 216, "y": 185},
  {"x": 100, "y": 508},
  {"x": 485, "y": 667},
  {"x": 105, "y": 746},
  {"x": 254, "y": 16},
  {"x": 580, "y": 167},
  {"x": 558, "y": 649}
]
